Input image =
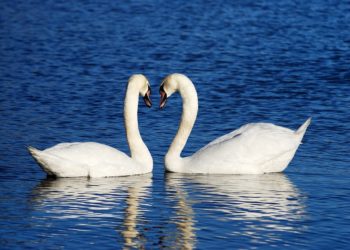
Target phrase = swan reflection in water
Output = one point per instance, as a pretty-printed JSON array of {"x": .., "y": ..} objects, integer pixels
[
  {"x": 259, "y": 207},
  {"x": 102, "y": 201},
  {"x": 184, "y": 236}
]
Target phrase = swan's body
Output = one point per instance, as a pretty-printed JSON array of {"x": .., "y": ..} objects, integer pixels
[
  {"x": 92, "y": 159},
  {"x": 255, "y": 148}
]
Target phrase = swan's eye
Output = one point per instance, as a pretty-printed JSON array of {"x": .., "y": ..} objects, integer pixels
[
  {"x": 163, "y": 97},
  {"x": 161, "y": 89}
]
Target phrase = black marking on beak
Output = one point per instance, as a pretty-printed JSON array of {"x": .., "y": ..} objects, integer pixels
[
  {"x": 147, "y": 97},
  {"x": 163, "y": 97}
]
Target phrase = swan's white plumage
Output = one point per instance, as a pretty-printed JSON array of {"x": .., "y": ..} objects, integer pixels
[
  {"x": 254, "y": 148},
  {"x": 93, "y": 159}
]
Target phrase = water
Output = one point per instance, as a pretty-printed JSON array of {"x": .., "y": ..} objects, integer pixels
[{"x": 63, "y": 71}]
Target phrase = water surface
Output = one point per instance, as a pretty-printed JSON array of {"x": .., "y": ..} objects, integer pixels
[{"x": 63, "y": 71}]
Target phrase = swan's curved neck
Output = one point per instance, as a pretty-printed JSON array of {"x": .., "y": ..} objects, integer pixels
[
  {"x": 138, "y": 150},
  {"x": 189, "y": 115}
]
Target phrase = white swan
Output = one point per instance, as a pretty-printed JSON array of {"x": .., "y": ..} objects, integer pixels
[
  {"x": 93, "y": 159},
  {"x": 255, "y": 148}
]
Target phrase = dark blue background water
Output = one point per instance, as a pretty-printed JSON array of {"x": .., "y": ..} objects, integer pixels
[{"x": 63, "y": 71}]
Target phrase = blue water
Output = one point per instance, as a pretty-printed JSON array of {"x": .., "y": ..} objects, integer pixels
[{"x": 63, "y": 72}]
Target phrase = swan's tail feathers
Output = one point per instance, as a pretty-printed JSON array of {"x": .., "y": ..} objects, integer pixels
[
  {"x": 302, "y": 129},
  {"x": 40, "y": 158},
  {"x": 34, "y": 152}
]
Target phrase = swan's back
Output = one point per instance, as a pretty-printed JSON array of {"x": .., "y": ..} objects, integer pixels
[
  {"x": 253, "y": 148},
  {"x": 85, "y": 159},
  {"x": 89, "y": 153},
  {"x": 252, "y": 134}
]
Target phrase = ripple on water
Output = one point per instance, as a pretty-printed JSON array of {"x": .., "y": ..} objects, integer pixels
[{"x": 63, "y": 70}]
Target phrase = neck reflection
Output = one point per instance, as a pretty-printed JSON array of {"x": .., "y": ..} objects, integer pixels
[
  {"x": 185, "y": 236},
  {"x": 132, "y": 237}
]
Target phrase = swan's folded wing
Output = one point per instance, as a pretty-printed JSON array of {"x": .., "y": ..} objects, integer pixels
[
  {"x": 89, "y": 153},
  {"x": 228, "y": 136},
  {"x": 251, "y": 144}
]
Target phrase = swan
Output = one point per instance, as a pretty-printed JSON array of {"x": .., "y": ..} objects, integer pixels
[
  {"x": 91, "y": 159},
  {"x": 255, "y": 148}
]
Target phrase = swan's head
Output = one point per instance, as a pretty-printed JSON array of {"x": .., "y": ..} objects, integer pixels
[
  {"x": 170, "y": 85},
  {"x": 142, "y": 84}
]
